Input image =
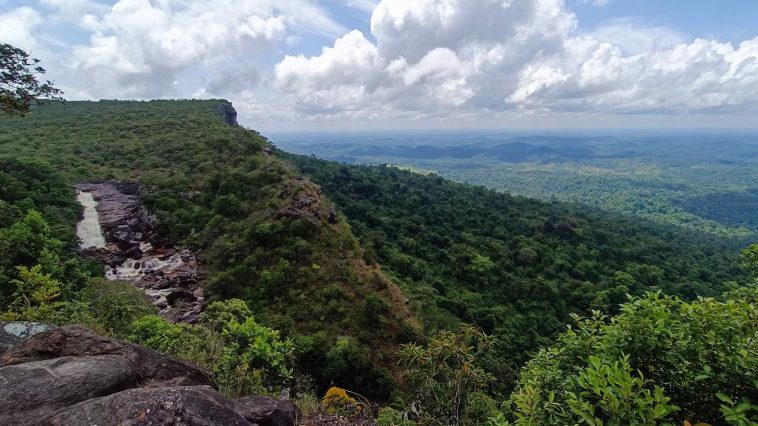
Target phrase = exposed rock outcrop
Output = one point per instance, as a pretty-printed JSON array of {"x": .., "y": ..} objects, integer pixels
[
  {"x": 267, "y": 412},
  {"x": 135, "y": 251},
  {"x": 305, "y": 202},
  {"x": 122, "y": 218},
  {"x": 14, "y": 333},
  {"x": 72, "y": 376},
  {"x": 193, "y": 405},
  {"x": 151, "y": 368},
  {"x": 34, "y": 389},
  {"x": 226, "y": 111}
]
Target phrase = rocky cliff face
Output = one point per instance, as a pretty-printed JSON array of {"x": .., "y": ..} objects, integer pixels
[
  {"x": 227, "y": 112},
  {"x": 72, "y": 376},
  {"x": 136, "y": 252}
]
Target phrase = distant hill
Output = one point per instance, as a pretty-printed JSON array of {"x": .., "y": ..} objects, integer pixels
[
  {"x": 323, "y": 267},
  {"x": 266, "y": 235},
  {"x": 513, "y": 266},
  {"x": 702, "y": 182}
]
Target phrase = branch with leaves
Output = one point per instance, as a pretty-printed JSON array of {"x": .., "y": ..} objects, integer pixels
[{"x": 19, "y": 81}]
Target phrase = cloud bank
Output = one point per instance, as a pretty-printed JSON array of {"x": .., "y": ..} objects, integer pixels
[
  {"x": 449, "y": 60},
  {"x": 469, "y": 57}
]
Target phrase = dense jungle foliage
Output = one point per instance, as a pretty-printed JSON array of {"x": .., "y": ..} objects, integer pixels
[
  {"x": 515, "y": 267},
  {"x": 660, "y": 361},
  {"x": 706, "y": 182},
  {"x": 217, "y": 188},
  {"x": 663, "y": 321}
]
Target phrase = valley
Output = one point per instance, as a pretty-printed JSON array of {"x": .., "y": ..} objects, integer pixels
[
  {"x": 282, "y": 272},
  {"x": 703, "y": 182}
]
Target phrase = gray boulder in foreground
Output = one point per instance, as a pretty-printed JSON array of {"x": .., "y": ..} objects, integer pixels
[
  {"x": 72, "y": 376},
  {"x": 188, "y": 405},
  {"x": 32, "y": 390},
  {"x": 150, "y": 367},
  {"x": 266, "y": 411}
]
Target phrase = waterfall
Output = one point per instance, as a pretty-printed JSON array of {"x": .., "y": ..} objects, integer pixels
[{"x": 88, "y": 230}]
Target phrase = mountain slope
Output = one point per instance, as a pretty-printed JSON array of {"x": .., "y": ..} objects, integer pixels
[
  {"x": 267, "y": 236},
  {"x": 513, "y": 266}
]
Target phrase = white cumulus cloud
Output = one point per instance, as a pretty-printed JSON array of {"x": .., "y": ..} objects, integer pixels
[
  {"x": 138, "y": 48},
  {"x": 17, "y": 27},
  {"x": 486, "y": 57}
]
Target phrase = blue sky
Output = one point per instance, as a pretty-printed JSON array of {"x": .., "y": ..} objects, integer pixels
[
  {"x": 730, "y": 20},
  {"x": 395, "y": 64}
]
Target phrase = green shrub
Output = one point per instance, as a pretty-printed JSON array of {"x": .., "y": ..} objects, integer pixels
[
  {"x": 115, "y": 306},
  {"x": 390, "y": 417},
  {"x": 444, "y": 375},
  {"x": 660, "y": 360}
]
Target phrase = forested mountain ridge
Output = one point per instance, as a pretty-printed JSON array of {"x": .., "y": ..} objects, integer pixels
[
  {"x": 701, "y": 181},
  {"x": 515, "y": 267},
  {"x": 266, "y": 235},
  {"x": 316, "y": 266}
]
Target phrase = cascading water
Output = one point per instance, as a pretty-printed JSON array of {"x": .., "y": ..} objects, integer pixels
[
  {"x": 152, "y": 260},
  {"x": 88, "y": 230},
  {"x": 168, "y": 277}
]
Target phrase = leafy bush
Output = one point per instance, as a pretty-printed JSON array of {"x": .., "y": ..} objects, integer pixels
[
  {"x": 390, "y": 417},
  {"x": 660, "y": 360},
  {"x": 244, "y": 356},
  {"x": 114, "y": 307},
  {"x": 337, "y": 401},
  {"x": 443, "y": 376}
]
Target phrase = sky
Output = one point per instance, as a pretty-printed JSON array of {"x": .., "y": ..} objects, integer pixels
[{"x": 299, "y": 65}]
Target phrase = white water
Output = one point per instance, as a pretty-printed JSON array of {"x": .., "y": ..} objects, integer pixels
[
  {"x": 88, "y": 230},
  {"x": 132, "y": 269}
]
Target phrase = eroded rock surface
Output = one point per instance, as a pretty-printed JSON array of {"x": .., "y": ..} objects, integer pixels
[
  {"x": 192, "y": 405},
  {"x": 267, "y": 412},
  {"x": 34, "y": 389},
  {"x": 16, "y": 332},
  {"x": 135, "y": 251},
  {"x": 226, "y": 111},
  {"x": 152, "y": 368},
  {"x": 72, "y": 376}
]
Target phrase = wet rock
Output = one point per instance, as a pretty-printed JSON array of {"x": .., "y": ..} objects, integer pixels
[
  {"x": 178, "y": 295},
  {"x": 151, "y": 368},
  {"x": 15, "y": 333},
  {"x": 130, "y": 233},
  {"x": 196, "y": 405},
  {"x": 134, "y": 253},
  {"x": 268, "y": 412},
  {"x": 116, "y": 259}
]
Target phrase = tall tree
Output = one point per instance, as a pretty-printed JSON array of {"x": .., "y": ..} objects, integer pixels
[{"x": 19, "y": 84}]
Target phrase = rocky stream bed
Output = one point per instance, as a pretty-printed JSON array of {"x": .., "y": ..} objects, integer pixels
[{"x": 121, "y": 234}]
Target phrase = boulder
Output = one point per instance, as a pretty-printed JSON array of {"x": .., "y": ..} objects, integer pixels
[
  {"x": 36, "y": 388},
  {"x": 268, "y": 412},
  {"x": 177, "y": 295},
  {"x": 72, "y": 376},
  {"x": 331, "y": 216},
  {"x": 15, "y": 333},
  {"x": 192, "y": 405},
  {"x": 151, "y": 368}
]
